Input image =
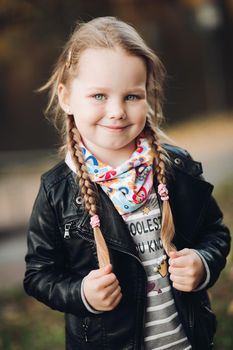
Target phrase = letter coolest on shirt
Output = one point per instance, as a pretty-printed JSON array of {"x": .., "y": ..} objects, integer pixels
[{"x": 144, "y": 226}]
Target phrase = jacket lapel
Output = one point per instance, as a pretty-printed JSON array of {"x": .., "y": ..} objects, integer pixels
[
  {"x": 189, "y": 198},
  {"x": 114, "y": 228}
]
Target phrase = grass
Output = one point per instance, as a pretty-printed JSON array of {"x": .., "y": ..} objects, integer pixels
[{"x": 27, "y": 324}]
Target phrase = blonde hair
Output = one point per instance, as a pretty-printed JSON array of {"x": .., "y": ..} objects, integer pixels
[{"x": 109, "y": 32}]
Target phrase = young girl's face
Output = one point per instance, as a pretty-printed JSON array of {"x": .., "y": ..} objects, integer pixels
[{"x": 109, "y": 103}]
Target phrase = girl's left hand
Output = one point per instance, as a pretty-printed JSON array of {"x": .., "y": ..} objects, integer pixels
[{"x": 186, "y": 269}]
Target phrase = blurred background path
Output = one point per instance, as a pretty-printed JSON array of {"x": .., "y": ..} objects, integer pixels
[{"x": 209, "y": 141}]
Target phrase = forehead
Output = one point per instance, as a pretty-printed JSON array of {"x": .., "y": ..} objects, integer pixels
[{"x": 111, "y": 65}]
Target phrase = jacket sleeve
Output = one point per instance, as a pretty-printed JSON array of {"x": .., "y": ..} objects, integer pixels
[
  {"x": 214, "y": 241},
  {"x": 47, "y": 277}
]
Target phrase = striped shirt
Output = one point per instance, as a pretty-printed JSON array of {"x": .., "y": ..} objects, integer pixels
[{"x": 163, "y": 329}]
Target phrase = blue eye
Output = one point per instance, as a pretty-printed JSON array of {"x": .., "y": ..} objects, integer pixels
[
  {"x": 99, "y": 97},
  {"x": 132, "y": 97}
]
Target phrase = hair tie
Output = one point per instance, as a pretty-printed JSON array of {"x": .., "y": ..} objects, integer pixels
[
  {"x": 95, "y": 221},
  {"x": 163, "y": 192}
]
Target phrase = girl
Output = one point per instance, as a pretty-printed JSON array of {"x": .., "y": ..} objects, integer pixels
[{"x": 124, "y": 237}]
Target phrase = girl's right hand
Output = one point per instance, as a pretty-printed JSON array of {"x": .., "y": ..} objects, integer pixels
[{"x": 101, "y": 289}]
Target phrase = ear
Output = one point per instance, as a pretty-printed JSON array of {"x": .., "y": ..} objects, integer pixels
[{"x": 63, "y": 97}]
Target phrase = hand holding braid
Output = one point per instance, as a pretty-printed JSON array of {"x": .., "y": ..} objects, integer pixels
[{"x": 87, "y": 191}]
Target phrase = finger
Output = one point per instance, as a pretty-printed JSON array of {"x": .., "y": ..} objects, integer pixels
[
  {"x": 110, "y": 290},
  {"x": 114, "y": 295},
  {"x": 177, "y": 271},
  {"x": 182, "y": 252},
  {"x": 179, "y": 279},
  {"x": 108, "y": 268},
  {"x": 172, "y": 254},
  {"x": 100, "y": 272},
  {"x": 182, "y": 287},
  {"x": 117, "y": 301},
  {"x": 105, "y": 281},
  {"x": 179, "y": 262},
  {"x": 188, "y": 283},
  {"x": 112, "y": 302},
  {"x": 178, "y": 253}
]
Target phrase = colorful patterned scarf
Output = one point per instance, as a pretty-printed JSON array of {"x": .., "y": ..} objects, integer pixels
[{"x": 129, "y": 184}]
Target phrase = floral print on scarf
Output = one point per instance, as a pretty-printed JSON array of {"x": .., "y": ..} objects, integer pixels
[{"x": 129, "y": 184}]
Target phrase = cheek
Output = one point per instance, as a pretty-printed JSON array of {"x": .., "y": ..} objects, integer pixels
[
  {"x": 141, "y": 108},
  {"x": 145, "y": 107},
  {"x": 140, "y": 113},
  {"x": 88, "y": 114}
]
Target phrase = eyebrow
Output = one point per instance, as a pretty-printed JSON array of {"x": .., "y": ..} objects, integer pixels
[
  {"x": 97, "y": 88},
  {"x": 101, "y": 88}
]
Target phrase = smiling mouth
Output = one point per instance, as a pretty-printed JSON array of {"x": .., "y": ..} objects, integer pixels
[{"x": 114, "y": 127}]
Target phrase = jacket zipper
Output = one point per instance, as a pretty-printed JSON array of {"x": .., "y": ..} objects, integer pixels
[
  {"x": 191, "y": 324},
  {"x": 67, "y": 230},
  {"x": 69, "y": 224},
  {"x": 85, "y": 328}
]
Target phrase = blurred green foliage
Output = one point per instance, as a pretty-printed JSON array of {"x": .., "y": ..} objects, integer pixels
[
  {"x": 221, "y": 293},
  {"x": 27, "y": 324}
]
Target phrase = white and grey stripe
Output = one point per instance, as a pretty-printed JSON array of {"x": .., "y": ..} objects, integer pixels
[{"x": 163, "y": 329}]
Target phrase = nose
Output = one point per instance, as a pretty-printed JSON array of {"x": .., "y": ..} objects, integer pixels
[{"x": 116, "y": 110}]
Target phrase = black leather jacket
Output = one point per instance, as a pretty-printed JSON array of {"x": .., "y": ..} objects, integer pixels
[{"x": 61, "y": 251}]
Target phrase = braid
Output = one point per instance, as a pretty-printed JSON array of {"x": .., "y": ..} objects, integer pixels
[
  {"x": 167, "y": 229},
  {"x": 86, "y": 186}
]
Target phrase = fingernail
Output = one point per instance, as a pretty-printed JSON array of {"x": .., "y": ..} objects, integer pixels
[{"x": 107, "y": 267}]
